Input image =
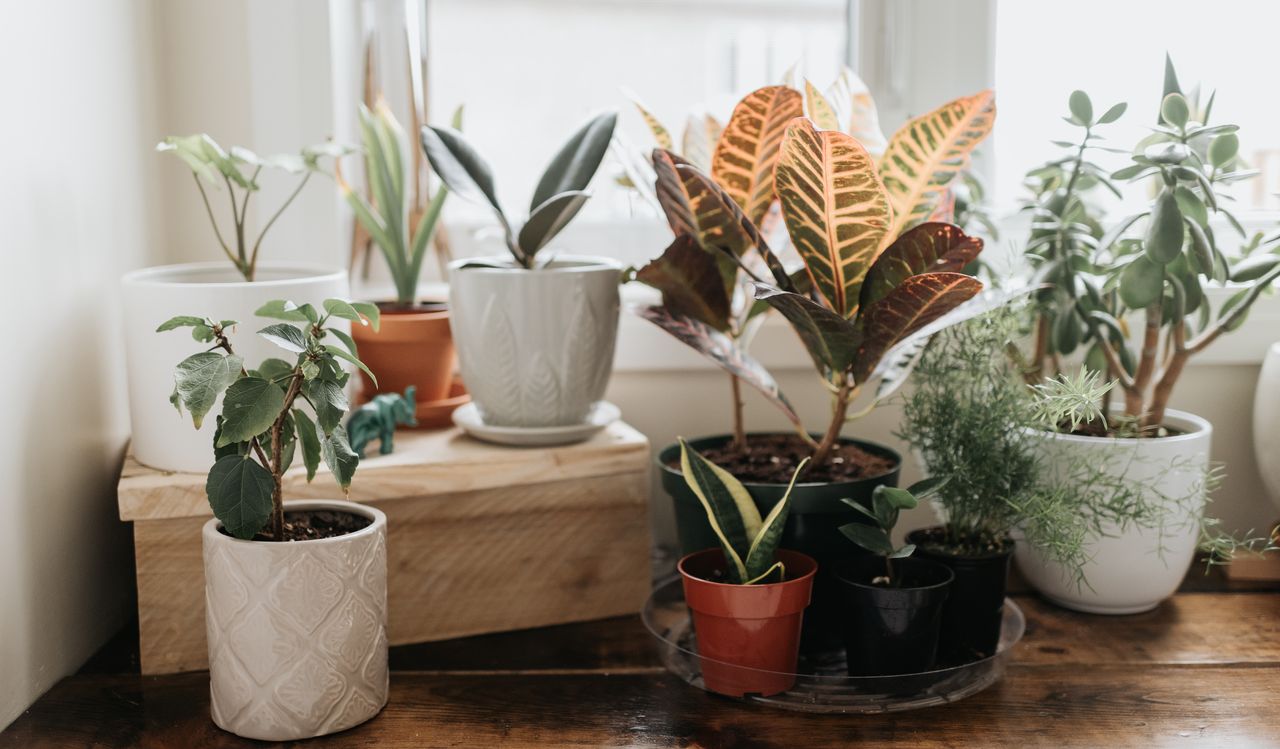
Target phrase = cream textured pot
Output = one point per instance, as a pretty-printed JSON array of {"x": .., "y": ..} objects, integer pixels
[
  {"x": 535, "y": 346},
  {"x": 297, "y": 630},
  {"x": 161, "y": 439},
  {"x": 1130, "y": 569},
  {"x": 1266, "y": 423}
]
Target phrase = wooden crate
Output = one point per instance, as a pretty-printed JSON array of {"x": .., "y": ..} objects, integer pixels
[{"x": 480, "y": 539}]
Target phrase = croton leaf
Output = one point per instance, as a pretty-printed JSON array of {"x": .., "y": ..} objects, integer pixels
[
  {"x": 748, "y": 149},
  {"x": 660, "y": 132},
  {"x": 913, "y": 304},
  {"x": 927, "y": 152},
  {"x": 849, "y": 94},
  {"x": 691, "y": 282},
  {"x": 927, "y": 248},
  {"x": 700, "y": 137},
  {"x": 720, "y": 349},
  {"x": 820, "y": 110},
  {"x": 831, "y": 340},
  {"x": 835, "y": 208},
  {"x": 240, "y": 494},
  {"x": 671, "y": 193}
]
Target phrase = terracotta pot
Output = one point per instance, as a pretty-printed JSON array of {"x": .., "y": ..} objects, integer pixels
[
  {"x": 411, "y": 347},
  {"x": 748, "y": 635},
  {"x": 297, "y": 631}
]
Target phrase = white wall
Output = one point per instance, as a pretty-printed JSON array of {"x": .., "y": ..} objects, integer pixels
[{"x": 77, "y": 204}]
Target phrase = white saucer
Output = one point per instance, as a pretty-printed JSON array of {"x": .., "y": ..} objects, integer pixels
[{"x": 602, "y": 414}]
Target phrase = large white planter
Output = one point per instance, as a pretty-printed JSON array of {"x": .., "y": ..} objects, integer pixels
[
  {"x": 1133, "y": 568},
  {"x": 161, "y": 438},
  {"x": 1266, "y": 422},
  {"x": 298, "y": 630},
  {"x": 535, "y": 346}
]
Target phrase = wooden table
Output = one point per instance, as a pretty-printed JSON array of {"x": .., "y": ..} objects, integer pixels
[{"x": 1201, "y": 670}]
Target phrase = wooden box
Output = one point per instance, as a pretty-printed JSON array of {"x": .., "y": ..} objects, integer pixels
[{"x": 480, "y": 539}]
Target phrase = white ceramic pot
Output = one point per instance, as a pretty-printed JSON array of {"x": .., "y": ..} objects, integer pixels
[
  {"x": 297, "y": 631},
  {"x": 1266, "y": 422},
  {"x": 161, "y": 438},
  {"x": 535, "y": 346},
  {"x": 1133, "y": 568}
]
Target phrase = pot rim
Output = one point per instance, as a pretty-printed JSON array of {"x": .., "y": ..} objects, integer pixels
[
  {"x": 581, "y": 264},
  {"x": 378, "y": 518},
  {"x": 950, "y": 577},
  {"x": 1196, "y": 427},
  {"x": 160, "y": 275},
  {"x": 662, "y": 465},
  {"x": 680, "y": 567}
]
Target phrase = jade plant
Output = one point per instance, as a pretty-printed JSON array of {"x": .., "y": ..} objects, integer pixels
[
  {"x": 749, "y": 542},
  {"x": 560, "y": 194},
  {"x": 238, "y": 169},
  {"x": 269, "y": 411},
  {"x": 886, "y": 503}
]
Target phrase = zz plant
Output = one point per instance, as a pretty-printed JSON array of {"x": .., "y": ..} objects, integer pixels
[
  {"x": 886, "y": 503},
  {"x": 269, "y": 411}
]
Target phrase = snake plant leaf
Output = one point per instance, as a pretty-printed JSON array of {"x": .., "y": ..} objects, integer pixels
[
  {"x": 747, "y": 152},
  {"x": 820, "y": 110},
  {"x": 249, "y": 408},
  {"x": 577, "y": 160},
  {"x": 831, "y": 340},
  {"x": 549, "y": 218},
  {"x": 285, "y": 336},
  {"x": 201, "y": 378},
  {"x": 761, "y": 557},
  {"x": 691, "y": 282},
  {"x": 928, "y": 152},
  {"x": 925, "y": 248},
  {"x": 699, "y": 140},
  {"x": 916, "y": 302},
  {"x": 461, "y": 168},
  {"x": 723, "y": 352},
  {"x": 309, "y": 436},
  {"x": 335, "y": 448},
  {"x": 730, "y": 509},
  {"x": 240, "y": 494},
  {"x": 836, "y": 210}
]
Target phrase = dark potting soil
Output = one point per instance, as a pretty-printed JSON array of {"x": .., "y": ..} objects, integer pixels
[
  {"x": 312, "y": 525},
  {"x": 937, "y": 541},
  {"x": 391, "y": 308},
  {"x": 772, "y": 459},
  {"x": 1112, "y": 430}
]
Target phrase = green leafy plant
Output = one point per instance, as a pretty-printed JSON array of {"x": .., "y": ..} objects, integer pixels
[
  {"x": 749, "y": 542},
  {"x": 238, "y": 169},
  {"x": 886, "y": 503},
  {"x": 559, "y": 195},
  {"x": 388, "y": 218},
  {"x": 263, "y": 419}
]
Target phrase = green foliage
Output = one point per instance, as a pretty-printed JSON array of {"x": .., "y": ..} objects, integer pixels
[
  {"x": 265, "y": 411},
  {"x": 886, "y": 503}
]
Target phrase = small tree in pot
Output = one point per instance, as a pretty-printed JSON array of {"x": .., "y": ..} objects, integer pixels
[{"x": 296, "y": 592}]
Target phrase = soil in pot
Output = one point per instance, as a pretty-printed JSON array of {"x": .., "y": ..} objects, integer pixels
[
  {"x": 974, "y": 609},
  {"x": 413, "y": 346},
  {"x": 310, "y": 525},
  {"x": 748, "y": 635},
  {"x": 772, "y": 459},
  {"x": 891, "y": 622}
]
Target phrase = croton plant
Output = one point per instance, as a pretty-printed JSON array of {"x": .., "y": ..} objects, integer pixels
[{"x": 881, "y": 265}]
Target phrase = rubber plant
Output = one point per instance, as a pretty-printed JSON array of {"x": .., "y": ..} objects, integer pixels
[
  {"x": 560, "y": 194},
  {"x": 748, "y": 541},
  {"x": 269, "y": 411},
  {"x": 238, "y": 169}
]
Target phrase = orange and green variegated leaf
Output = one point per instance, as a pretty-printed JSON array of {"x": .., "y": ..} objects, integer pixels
[
  {"x": 916, "y": 302},
  {"x": 748, "y": 148},
  {"x": 836, "y": 210},
  {"x": 927, "y": 248},
  {"x": 691, "y": 282},
  {"x": 831, "y": 340},
  {"x": 660, "y": 132},
  {"x": 820, "y": 110},
  {"x": 945, "y": 211},
  {"x": 849, "y": 95},
  {"x": 927, "y": 152},
  {"x": 699, "y": 141},
  {"x": 671, "y": 193}
]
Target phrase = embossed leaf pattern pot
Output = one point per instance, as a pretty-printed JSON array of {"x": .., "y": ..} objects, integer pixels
[
  {"x": 535, "y": 346},
  {"x": 297, "y": 630}
]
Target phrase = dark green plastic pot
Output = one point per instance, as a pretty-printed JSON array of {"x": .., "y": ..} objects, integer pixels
[{"x": 813, "y": 525}]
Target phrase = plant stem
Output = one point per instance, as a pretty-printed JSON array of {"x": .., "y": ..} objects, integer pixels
[
  {"x": 277, "y": 462},
  {"x": 888, "y": 569},
  {"x": 243, "y": 264},
  {"x": 253, "y": 259},
  {"x": 844, "y": 396},
  {"x": 209, "y": 210},
  {"x": 739, "y": 427},
  {"x": 1133, "y": 401}
]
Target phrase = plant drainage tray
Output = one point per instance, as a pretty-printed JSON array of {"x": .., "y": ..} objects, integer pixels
[{"x": 822, "y": 684}]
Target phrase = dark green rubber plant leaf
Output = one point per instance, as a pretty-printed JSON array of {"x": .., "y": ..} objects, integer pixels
[
  {"x": 691, "y": 282},
  {"x": 926, "y": 248},
  {"x": 249, "y": 408},
  {"x": 462, "y": 168},
  {"x": 549, "y": 218},
  {"x": 915, "y": 303},
  {"x": 573, "y": 166},
  {"x": 240, "y": 494},
  {"x": 730, "y": 509},
  {"x": 201, "y": 378},
  {"x": 831, "y": 340},
  {"x": 338, "y": 455}
]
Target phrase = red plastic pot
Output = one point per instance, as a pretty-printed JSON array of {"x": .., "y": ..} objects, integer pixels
[{"x": 748, "y": 635}]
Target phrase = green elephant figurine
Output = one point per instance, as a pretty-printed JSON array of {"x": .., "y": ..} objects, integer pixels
[{"x": 378, "y": 418}]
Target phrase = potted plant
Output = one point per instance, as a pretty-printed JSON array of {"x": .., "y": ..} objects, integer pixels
[
  {"x": 413, "y": 347},
  {"x": 747, "y": 596},
  {"x": 236, "y": 287},
  {"x": 1154, "y": 267},
  {"x": 535, "y": 334},
  {"x": 893, "y": 601},
  {"x": 296, "y": 593}
]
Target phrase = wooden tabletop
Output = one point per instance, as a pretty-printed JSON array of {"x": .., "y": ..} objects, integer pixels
[{"x": 1203, "y": 669}]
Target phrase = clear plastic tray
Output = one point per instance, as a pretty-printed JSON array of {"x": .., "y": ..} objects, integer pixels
[{"x": 822, "y": 685}]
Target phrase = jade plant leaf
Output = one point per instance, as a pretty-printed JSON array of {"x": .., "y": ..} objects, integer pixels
[
  {"x": 747, "y": 152},
  {"x": 577, "y": 160},
  {"x": 309, "y": 436},
  {"x": 240, "y": 494},
  {"x": 285, "y": 336},
  {"x": 691, "y": 282},
  {"x": 730, "y": 509},
  {"x": 335, "y": 447},
  {"x": 831, "y": 340},
  {"x": 249, "y": 408},
  {"x": 916, "y": 302},
  {"x": 836, "y": 209},
  {"x": 549, "y": 218},
  {"x": 201, "y": 378},
  {"x": 925, "y": 248}
]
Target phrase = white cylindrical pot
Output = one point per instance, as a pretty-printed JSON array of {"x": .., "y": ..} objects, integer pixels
[
  {"x": 1266, "y": 422},
  {"x": 535, "y": 346},
  {"x": 161, "y": 438},
  {"x": 1130, "y": 568},
  {"x": 297, "y": 630}
]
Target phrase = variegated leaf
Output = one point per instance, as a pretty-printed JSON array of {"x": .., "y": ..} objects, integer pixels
[
  {"x": 927, "y": 152},
  {"x": 945, "y": 211},
  {"x": 849, "y": 95},
  {"x": 748, "y": 148},
  {"x": 760, "y": 559},
  {"x": 913, "y": 304},
  {"x": 660, "y": 132},
  {"x": 723, "y": 352},
  {"x": 927, "y": 248},
  {"x": 671, "y": 193},
  {"x": 700, "y": 137},
  {"x": 836, "y": 210},
  {"x": 820, "y": 110},
  {"x": 730, "y": 509},
  {"x": 691, "y": 282},
  {"x": 831, "y": 340}
]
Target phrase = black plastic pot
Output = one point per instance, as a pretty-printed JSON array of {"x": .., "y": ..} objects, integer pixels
[
  {"x": 892, "y": 630},
  {"x": 813, "y": 526},
  {"x": 974, "y": 610}
]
